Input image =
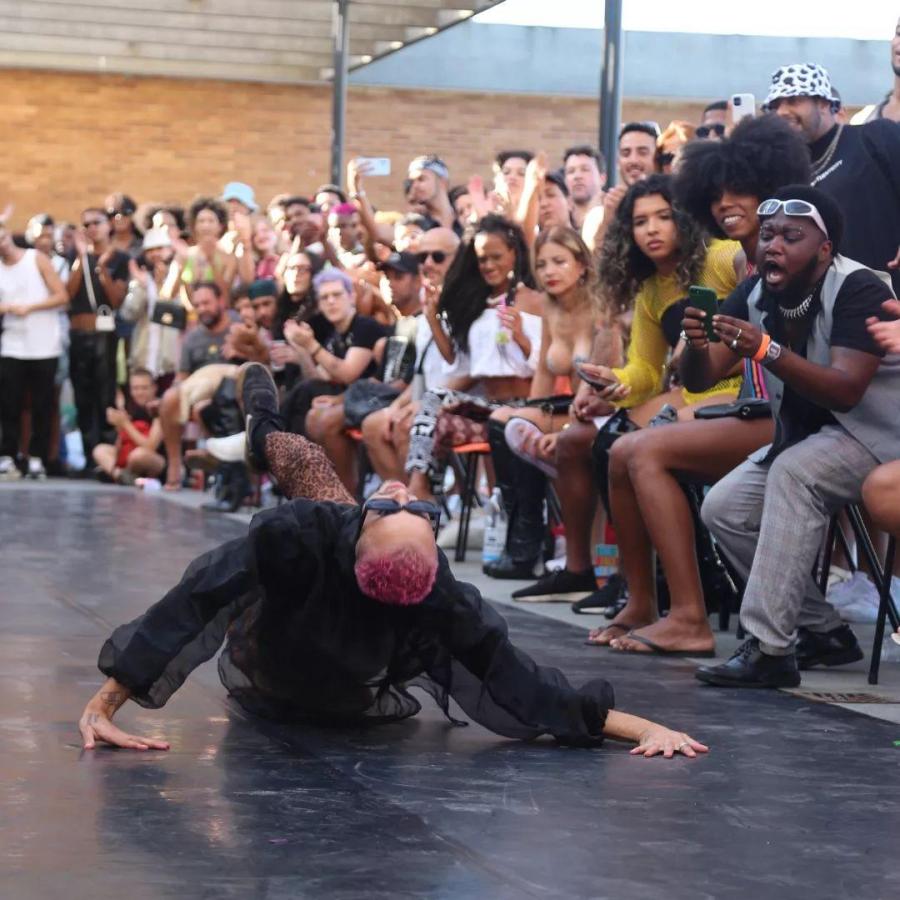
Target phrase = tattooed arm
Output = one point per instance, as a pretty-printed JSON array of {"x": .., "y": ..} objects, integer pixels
[{"x": 96, "y": 721}]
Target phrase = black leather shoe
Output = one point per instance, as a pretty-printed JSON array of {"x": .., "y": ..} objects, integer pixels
[
  {"x": 507, "y": 568},
  {"x": 830, "y": 648},
  {"x": 750, "y": 667}
]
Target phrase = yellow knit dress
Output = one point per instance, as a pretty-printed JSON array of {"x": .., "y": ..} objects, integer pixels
[{"x": 648, "y": 349}]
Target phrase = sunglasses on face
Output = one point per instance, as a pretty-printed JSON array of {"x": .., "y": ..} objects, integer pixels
[
  {"x": 385, "y": 506},
  {"x": 437, "y": 255},
  {"x": 704, "y": 131},
  {"x": 665, "y": 159},
  {"x": 792, "y": 208}
]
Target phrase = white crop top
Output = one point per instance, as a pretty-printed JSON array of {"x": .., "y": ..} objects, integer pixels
[{"x": 491, "y": 357}]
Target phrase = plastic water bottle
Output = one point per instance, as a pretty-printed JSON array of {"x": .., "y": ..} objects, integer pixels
[{"x": 494, "y": 529}]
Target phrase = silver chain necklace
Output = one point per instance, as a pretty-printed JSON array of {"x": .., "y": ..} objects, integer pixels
[
  {"x": 797, "y": 312},
  {"x": 822, "y": 164}
]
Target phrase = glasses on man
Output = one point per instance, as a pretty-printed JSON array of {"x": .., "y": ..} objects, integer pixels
[
  {"x": 385, "y": 506},
  {"x": 437, "y": 255},
  {"x": 704, "y": 131},
  {"x": 792, "y": 208}
]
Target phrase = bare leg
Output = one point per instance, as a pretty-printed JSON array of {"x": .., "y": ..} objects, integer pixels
[
  {"x": 143, "y": 462},
  {"x": 577, "y": 492},
  {"x": 105, "y": 457},
  {"x": 169, "y": 418},
  {"x": 383, "y": 454}
]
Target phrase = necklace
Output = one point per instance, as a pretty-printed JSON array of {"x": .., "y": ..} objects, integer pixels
[
  {"x": 796, "y": 312},
  {"x": 822, "y": 164}
]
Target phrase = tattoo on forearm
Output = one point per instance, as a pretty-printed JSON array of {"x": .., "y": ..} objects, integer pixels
[{"x": 112, "y": 698}]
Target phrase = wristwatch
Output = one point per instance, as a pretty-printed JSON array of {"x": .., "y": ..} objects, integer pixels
[{"x": 773, "y": 352}]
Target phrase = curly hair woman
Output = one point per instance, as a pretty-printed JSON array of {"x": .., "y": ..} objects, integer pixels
[
  {"x": 720, "y": 184},
  {"x": 206, "y": 261}
]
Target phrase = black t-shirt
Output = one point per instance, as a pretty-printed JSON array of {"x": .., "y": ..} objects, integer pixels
[
  {"x": 363, "y": 332},
  {"x": 118, "y": 271},
  {"x": 859, "y": 298},
  {"x": 864, "y": 178}
]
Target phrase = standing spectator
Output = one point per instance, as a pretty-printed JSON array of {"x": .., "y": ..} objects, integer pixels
[
  {"x": 135, "y": 452},
  {"x": 509, "y": 177},
  {"x": 859, "y": 166},
  {"x": 669, "y": 144},
  {"x": 713, "y": 122},
  {"x": 328, "y": 196},
  {"x": 30, "y": 295},
  {"x": 345, "y": 233},
  {"x": 461, "y": 201},
  {"x": 206, "y": 261},
  {"x": 125, "y": 234},
  {"x": 40, "y": 233},
  {"x": 154, "y": 346},
  {"x": 585, "y": 174},
  {"x": 429, "y": 188},
  {"x": 265, "y": 249},
  {"x": 97, "y": 284},
  {"x": 889, "y": 108}
]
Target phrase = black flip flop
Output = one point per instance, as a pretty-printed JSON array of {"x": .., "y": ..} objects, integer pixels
[{"x": 656, "y": 650}]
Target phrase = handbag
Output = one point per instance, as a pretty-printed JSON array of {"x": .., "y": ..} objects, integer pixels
[
  {"x": 104, "y": 317},
  {"x": 750, "y": 408},
  {"x": 363, "y": 398},
  {"x": 172, "y": 315}
]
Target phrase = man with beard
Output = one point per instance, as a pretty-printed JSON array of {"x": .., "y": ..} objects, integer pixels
[
  {"x": 834, "y": 397},
  {"x": 429, "y": 185},
  {"x": 585, "y": 173},
  {"x": 859, "y": 166}
]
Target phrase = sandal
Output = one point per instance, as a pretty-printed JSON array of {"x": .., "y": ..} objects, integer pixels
[
  {"x": 626, "y": 629},
  {"x": 656, "y": 650}
]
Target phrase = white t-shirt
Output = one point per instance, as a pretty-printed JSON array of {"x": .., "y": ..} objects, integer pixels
[
  {"x": 490, "y": 356},
  {"x": 434, "y": 368},
  {"x": 36, "y": 336}
]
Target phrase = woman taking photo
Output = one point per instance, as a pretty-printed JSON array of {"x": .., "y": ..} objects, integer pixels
[
  {"x": 493, "y": 334},
  {"x": 720, "y": 184}
]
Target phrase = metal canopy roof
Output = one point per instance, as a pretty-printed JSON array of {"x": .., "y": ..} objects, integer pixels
[{"x": 288, "y": 41}]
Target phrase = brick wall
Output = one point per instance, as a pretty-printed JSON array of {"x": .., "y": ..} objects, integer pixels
[{"x": 70, "y": 139}]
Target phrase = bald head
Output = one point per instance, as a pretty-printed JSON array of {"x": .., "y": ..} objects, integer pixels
[{"x": 441, "y": 241}]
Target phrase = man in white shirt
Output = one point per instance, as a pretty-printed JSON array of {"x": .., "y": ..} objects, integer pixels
[{"x": 30, "y": 295}]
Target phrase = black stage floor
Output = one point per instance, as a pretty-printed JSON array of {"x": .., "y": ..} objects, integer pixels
[{"x": 796, "y": 799}]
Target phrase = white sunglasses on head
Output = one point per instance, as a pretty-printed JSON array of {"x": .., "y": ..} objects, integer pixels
[{"x": 792, "y": 208}]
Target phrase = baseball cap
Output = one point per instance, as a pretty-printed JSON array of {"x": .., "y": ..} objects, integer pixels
[{"x": 401, "y": 262}]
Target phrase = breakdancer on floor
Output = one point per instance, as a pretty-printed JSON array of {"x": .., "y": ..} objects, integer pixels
[{"x": 333, "y": 611}]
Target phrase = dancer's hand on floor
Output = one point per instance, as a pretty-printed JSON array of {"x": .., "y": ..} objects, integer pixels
[
  {"x": 97, "y": 726},
  {"x": 659, "y": 739}
]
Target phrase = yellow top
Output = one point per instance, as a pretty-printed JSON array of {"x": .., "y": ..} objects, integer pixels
[{"x": 649, "y": 349}]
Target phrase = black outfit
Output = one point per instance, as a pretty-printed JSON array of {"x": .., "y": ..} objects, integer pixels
[
  {"x": 306, "y": 309},
  {"x": 92, "y": 359},
  {"x": 363, "y": 331},
  {"x": 864, "y": 178},
  {"x": 37, "y": 376},
  {"x": 305, "y": 643},
  {"x": 859, "y": 298}
]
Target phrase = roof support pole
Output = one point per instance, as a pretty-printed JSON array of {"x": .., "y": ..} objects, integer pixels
[
  {"x": 341, "y": 36},
  {"x": 611, "y": 85}
]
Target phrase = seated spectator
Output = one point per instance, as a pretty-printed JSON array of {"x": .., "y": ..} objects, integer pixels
[
  {"x": 494, "y": 323},
  {"x": 265, "y": 249},
  {"x": 713, "y": 122},
  {"x": 154, "y": 345},
  {"x": 584, "y": 169},
  {"x": 401, "y": 271},
  {"x": 340, "y": 343},
  {"x": 805, "y": 321},
  {"x": 720, "y": 184},
  {"x": 135, "y": 452},
  {"x": 31, "y": 295},
  {"x": 565, "y": 272},
  {"x": 345, "y": 233},
  {"x": 206, "y": 261}
]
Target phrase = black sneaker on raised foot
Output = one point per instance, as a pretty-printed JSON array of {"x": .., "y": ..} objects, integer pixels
[
  {"x": 837, "y": 647},
  {"x": 561, "y": 586},
  {"x": 603, "y": 598},
  {"x": 256, "y": 393},
  {"x": 751, "y": 668}
]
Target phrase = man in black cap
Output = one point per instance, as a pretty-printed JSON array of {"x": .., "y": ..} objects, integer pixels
[
  {"x": 859, "y": 166},
  {"x": 402, "y": 273},
  {"x": 834, "y": 396}
]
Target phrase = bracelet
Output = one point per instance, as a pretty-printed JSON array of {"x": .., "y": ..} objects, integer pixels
[{"x": 762, "y": 349}]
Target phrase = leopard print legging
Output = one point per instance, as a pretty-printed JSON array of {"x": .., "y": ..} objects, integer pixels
[{"x": 302, "y": 469}]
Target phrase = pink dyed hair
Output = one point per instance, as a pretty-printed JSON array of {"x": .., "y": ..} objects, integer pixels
[{"x": 401, "y": 577}]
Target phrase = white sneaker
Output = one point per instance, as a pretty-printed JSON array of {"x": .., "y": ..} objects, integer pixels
[
  {"x": 227, "y": 449},
  {"x": 836, "y": 576},
  {"x": 36, "y": 469},
  {"x": 856, "y": 588},
  {"x": 8, "y": 469}
]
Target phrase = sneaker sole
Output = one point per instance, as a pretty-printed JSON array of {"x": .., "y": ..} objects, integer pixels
[{"x": 553, "y": 598}]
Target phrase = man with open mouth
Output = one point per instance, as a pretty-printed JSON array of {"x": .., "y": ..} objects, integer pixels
[{"x": 836, "y": 401}]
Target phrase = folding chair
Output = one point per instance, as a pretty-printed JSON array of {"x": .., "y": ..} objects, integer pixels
[{"x": 465, "y": 463}]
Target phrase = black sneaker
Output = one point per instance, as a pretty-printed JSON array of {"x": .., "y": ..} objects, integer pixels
[
  {"x": 558, "y": 587},
  {"x": 603, "y": 598},
  {"x": 508, "y": 569},
  {"x": 256, "y": 393},
  {"x": 751, "y": 668},
  {"x": 831, "y": 648}
]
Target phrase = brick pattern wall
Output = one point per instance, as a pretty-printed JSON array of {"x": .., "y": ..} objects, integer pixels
[{"x": 73, "y": 138}]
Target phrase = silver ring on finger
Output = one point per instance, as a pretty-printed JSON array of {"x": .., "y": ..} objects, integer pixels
[
  {"x": 682, "y": 745},
  {"x": 740, "y": 331},
  {"x": 734, "y": 344}
]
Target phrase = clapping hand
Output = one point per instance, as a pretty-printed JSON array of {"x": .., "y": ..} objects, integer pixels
[
  {"x": 116, "y": 417},
  {"x": 137, "y": 273}
]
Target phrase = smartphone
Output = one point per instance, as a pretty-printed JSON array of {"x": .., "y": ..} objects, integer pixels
[
  {"x": 374, "y": 165},
  {"x": 743, "y": 106},
  {"x": 593, "y": 382},
  {"x": 705, "y": 298}
]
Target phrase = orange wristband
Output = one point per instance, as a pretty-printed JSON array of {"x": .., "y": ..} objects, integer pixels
[{"x": 760, "y": 354}]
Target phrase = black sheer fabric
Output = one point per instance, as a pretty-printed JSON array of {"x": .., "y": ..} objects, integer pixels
[{"x": 305, "y": 643}]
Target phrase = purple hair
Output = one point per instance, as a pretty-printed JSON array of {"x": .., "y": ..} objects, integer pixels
[{"x": 331, "y": 274}]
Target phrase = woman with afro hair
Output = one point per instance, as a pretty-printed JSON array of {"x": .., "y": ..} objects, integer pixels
[{"x": 720, "y": 185}]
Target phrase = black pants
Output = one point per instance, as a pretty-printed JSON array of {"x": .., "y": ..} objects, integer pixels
[
  {"x": 16, "y": 377},
  {"x": 92, "y": 368},
  {"x": 298, "y": 401}
]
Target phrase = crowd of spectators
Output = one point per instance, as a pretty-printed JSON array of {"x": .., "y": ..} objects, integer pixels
[{"x": 555, "y": 319}]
